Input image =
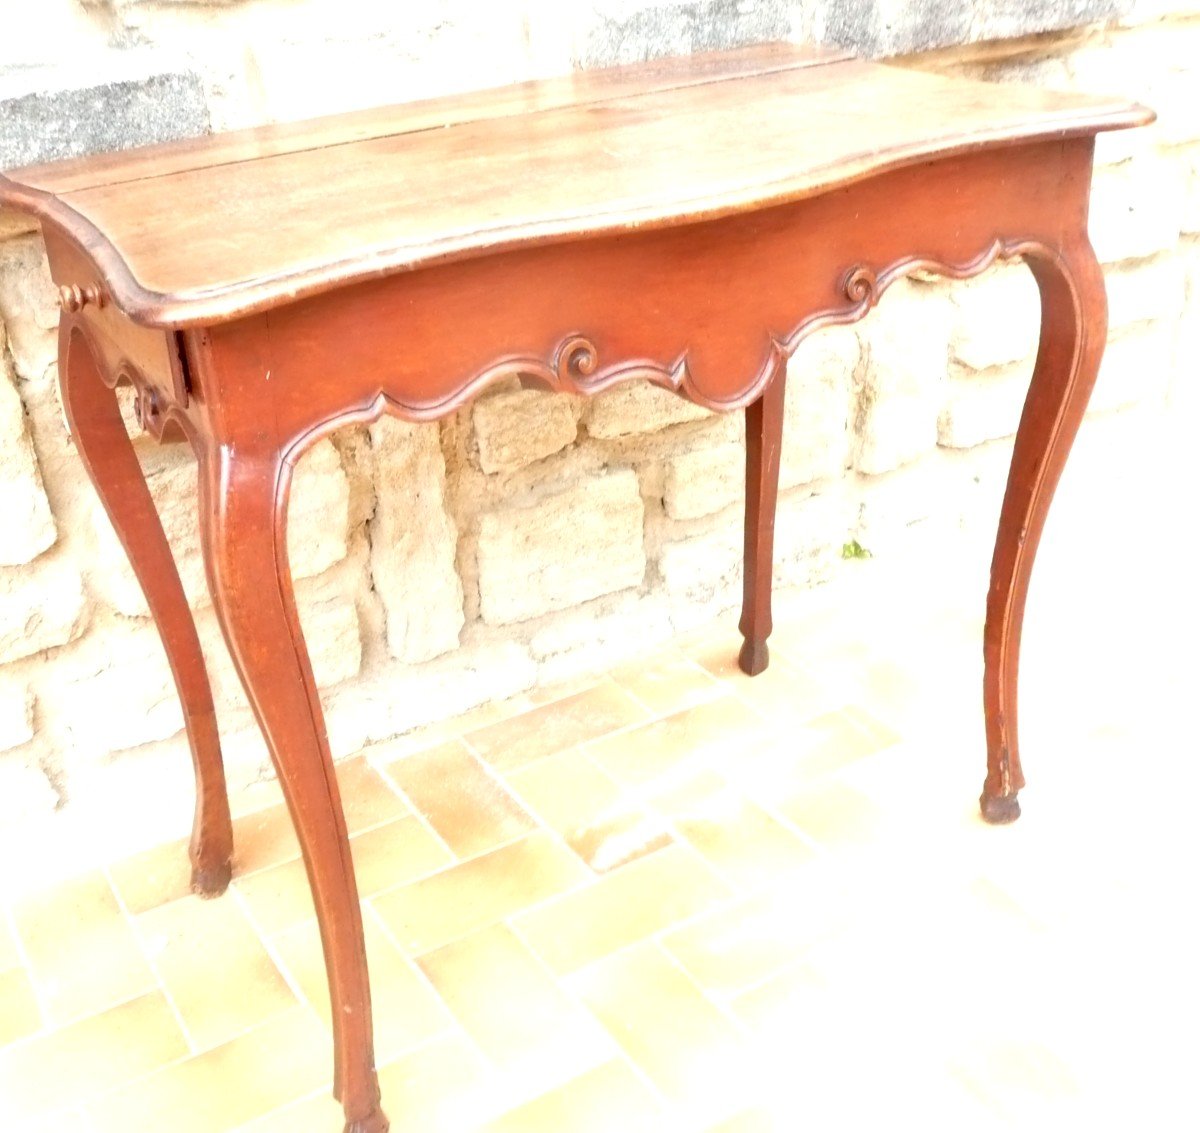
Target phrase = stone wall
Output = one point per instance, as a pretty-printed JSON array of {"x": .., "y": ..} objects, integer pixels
[{"x": 531, "y": 537}]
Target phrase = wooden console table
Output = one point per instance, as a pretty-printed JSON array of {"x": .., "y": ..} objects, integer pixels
[{"x": 687, "y": 222}]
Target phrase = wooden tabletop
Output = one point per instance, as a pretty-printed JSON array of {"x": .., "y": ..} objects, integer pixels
[{"x": 207, "y": 230}]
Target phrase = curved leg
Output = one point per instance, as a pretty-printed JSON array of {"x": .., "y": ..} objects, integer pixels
[
  {"x": 243, "y": 506},
  {"x": 1074, "y": 325},
  {"x": 764, "y": 438},
  {"x": 104, "y": 446}
]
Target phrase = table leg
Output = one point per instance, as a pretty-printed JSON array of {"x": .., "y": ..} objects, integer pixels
[
  {"x": 1074, "y": 325},
  {"x": 764, "y": 438},
  {"x": 107, "y": 454},
  {"x": 243, "y": 508}
]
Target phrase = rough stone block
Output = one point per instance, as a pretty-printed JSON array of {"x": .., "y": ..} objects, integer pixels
[
  {"x": 703, "y": 569},
  {"x": 704, "y": 481},
  {"x": 1137, "y": 367},
  {"x": 901, "y": 27},
  {"x": 894, "y": 505},
  {"x": 515, "y": 428},
  {"x": 997, "y": 318},
  {"x": 900, "y": 397},
  {"x": 1190, "y": 221},
  {"x": 113, "y": 100},
  {"x": 331, "y": 632},
  {"x": 1140, "y": 292},
  {"x": 414, "y": 542},
  {"x": 16, "y": 715},
  {"x": 638, "y": 407},
  {"x": 810, "y": 531},
  {"x": 317, "y": 524},
  {"x": 589, "y": 642},
  {"x": 1136, "y": 210},
  {"x": 819, "y": 406},
  {"x": 629, "y": 33},
  {"x": 393, "y": 702},
  {"x": 39, "y": 609},
  {"x": 112, "y": 692},
  {"x": 25, "y": 792},
  {"x": 565, "y": 549},
  {"x": 28, "y": 306},
  {"x": 28, "y": 527},
  {"x": 983, "y": 407}
]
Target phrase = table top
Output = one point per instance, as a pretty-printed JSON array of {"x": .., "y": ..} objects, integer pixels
[{"x": 210, "y": 229}]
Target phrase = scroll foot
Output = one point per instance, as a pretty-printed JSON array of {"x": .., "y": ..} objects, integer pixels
[
  {"x": 211, "y": 881},
  {"x": 753, "y": 657},
  {"x": 374, "y": 1122},
  {"x": 999, "y": 809}
]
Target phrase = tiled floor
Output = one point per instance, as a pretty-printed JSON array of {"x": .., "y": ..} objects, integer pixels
[{"x": 675, "y": 898}]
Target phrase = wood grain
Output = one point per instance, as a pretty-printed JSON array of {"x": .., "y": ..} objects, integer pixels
[
  {"x": 686, "y": 223},
  {"x": 213, "y": 242}
]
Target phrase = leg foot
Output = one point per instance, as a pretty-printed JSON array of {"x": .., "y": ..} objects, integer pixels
[
  {"x": 211, "y": 881},
  {"x": 375, "y": 1122},
  {"x": 999, "y": 810},
  {"x": 753, "y": 657}
]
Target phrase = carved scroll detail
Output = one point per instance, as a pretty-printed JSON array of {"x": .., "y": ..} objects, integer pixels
[
  {"x": 863, "y": 286},
  {"x": 575, "y": 365},
  {"x": 155, "y": 414}
]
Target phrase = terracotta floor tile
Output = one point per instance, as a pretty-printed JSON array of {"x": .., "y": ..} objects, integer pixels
[
  {"x": 214, "y": 968},
  {"x": 10, "y": 956},
  {"x": 155, "y": 876},
  {"x": 624, "y": 906},
  {"x": 782, "y": 691},
  {"x": 407, "y": 1011},
  {"x": 603, "y": 823},
  {"x": 82, "y": 951},
  {"x": 683, "y": 1044},
  {"x": 384, "y": 856},
  {"x": 755, "y": 1120},
  {"x": 740, "y": 946},
  {"x": 743, "y": 843},
  {"x": 609, "y": 1098},
  {"x": 443, "y": 1087},
  {"x": 553, "y": 727},
  {"x": 666, "y": 683},
  {"x": 263, "y": 838},
  {"x": 676, "y": 747},
  {"x": 62, "y": 1121},
  {"x": 472, "y": 894},
  {"x": 1022, "y": 1081},
  {"x": 319, "y": 1113},
  {"x": 19, "y": 1011},
  {"x": 266, "y": 837},
  {"x": 67, "y": 1066},
  {"x": 461, "y": 799},
  {"x": 367, "y": 797},
  {"x": 833, "y": 814},
  {"x": 227, "y": 1086},
  {"x": 515, "y": 1010}
]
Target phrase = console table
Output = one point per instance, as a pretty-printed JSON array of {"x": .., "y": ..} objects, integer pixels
[{"x": 685, "y": 222}]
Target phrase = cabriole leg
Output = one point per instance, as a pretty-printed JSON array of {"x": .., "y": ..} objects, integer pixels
[
  {"x": 1074, "y": 325},
  {"x": 243, "y": 508},
  {"x": 107, "y": 454}
]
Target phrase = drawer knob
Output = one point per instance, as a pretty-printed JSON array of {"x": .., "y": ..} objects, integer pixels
[{"x": 73, "y": 298}]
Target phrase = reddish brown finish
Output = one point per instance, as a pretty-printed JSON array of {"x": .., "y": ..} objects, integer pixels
[
  {"x": 764, "y": 441},
  {"x": 686, "y": 223},
  {"x": 88, "y": 392}
]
